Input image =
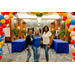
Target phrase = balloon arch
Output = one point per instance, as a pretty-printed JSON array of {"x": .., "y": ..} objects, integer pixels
[
  {"x": 69, "y": 18},
  {"x": 5, "y": 18}
]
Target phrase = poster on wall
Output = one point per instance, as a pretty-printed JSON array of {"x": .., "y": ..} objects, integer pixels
[
  {"x": 7, "y": 31},
  {"x": 57, "y": 32}
]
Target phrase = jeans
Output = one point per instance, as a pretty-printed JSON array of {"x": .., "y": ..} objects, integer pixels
[
  {"x": 29, "y": 52},
  {"x": 46, "y": 51},
  {"x": 36, "y": 51}
]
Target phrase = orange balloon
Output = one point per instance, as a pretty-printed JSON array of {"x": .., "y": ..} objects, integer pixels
[
  {"x": 10, "y": 16},
  {"x": 64, "y": 14},
  {"x": 60, "y": 13},
  {"x": 10, "y": 12}
]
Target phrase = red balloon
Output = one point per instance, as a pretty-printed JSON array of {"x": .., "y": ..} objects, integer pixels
[
  {"x": 72, "y": 13},
  {"x": 6, "y": 13},
  {"x": 64, "y": 18},
  {"x": 15, "y": 12},
  {"x": 0, "y": 56},
  {"x": 72, "y": 41},
  {"x": 74, "y": 58},
  {"x": 68, "y": 25},
  {"x": 73, "y": 53},
  {"x": 4, "y": 25},
  {"x": 2, "y": 13},
  {"x": 74, "y": 29},
  {"x": 7, "y": 21},
  {"x": 2, "y": 32},
  {"x": 1, "y": 28}
]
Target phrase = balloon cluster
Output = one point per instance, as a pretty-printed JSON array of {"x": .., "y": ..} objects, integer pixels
[
  {"x": 5, "y": 18},
  {"x": 69, "y": 18}
]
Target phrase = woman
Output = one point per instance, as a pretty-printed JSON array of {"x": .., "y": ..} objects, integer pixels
[
  {"x": 46, "y": 41},
  {"x": 29, "y": 44},
  {"x": 36, "y": 45}
]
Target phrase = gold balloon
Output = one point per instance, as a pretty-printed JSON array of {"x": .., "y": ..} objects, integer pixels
[
  {"x": 10, "y": 16},
  {"x": 68, "y": 21},
  {"x": 0, "y": 46},
  {"x": 0, "y": 35},
  {"x": 1, "y": 42},
  {"x": 2, "y": 21},
  {"x": 70, "y": 30},
  {"x": 73, "y": 50},
  {"x": 71, "y": 35},
  {"x": 10, "y": 12},
  {"x": 60, "y": 13},
  {"x": 64, "y": 14}
]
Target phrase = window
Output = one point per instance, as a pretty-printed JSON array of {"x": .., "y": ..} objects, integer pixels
[
  {"x": 14, "y": 23},
  {"x": 63, "y": 25}
]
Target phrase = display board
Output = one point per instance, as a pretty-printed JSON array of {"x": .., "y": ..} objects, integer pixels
[
  {"x": 57, "y": 32},
  {"x": 7, "y": 31}
]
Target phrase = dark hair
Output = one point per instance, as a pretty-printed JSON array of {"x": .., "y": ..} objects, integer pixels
[
  {"x": 47, "y": 28},
  {"x": 29, "y": 29},
  {"x": 54, "y": 31}
]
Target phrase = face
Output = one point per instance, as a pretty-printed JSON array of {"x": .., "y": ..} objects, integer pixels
[
  {"x": 36, "y": 31},
  {"x": 45, "y": 29},
  {"x": 30, "y": 32}
]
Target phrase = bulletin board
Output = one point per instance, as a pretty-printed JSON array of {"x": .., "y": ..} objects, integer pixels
[{"x": 7, "y": 31}]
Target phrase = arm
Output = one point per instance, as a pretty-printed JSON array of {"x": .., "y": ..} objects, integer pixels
[
  {"x": 27, "y": 39},
  {"x": 50, "y": 41}
]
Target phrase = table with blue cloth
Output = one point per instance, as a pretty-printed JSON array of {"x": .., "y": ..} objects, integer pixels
[
  {"x": 60, "y": 46},
  {"x": 18, "y": 45}
]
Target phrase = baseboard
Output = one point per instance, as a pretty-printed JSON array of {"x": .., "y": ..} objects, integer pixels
[{"x": 7, "y": 41}]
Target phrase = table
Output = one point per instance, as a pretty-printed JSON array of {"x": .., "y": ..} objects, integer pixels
[
  {"x": 18, "y": 45},
  {"x": 60, "y": 46}
]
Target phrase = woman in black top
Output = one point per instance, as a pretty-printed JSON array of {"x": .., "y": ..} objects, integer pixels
[{"x": 29, "y": 44}]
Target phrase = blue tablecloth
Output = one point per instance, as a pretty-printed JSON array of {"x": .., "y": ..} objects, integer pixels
[
  {"x": 18, "y": 45},
  {"x": 60, "y": 46}
]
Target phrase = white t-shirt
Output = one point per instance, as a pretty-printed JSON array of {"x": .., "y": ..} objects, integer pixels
[{"x": 46, "y": 37}]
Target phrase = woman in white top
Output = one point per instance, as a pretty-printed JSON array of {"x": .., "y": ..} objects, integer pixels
[{"x": 47, "y": 41}]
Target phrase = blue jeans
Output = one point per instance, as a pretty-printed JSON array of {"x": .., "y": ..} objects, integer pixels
[
  {"x": 36, "y": 51},
  {"x": 46, "y": 51},
  {"x": 29, "y": 52}
]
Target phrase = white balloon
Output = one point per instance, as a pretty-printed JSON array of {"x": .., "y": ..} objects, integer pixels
[
  {"x": 73, "y": 17},
  {"x": 71, "y": 26},
  {"x": 73, "y": 38},
  {"x": 69, "y": 16},
  {"x": 72, "y": 47},
  {"x": 6, "y": 17},
  {"x": 69, "y": 12},
  {"x": 73, "y": 33}
]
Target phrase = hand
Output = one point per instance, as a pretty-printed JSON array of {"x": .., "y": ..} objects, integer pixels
[
  {"x": 27, "y": 49},
  {"x": 48, "y": 46}
]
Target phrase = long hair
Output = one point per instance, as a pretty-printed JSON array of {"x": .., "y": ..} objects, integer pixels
[
  {"x": 35, "y": 34},
  {"x": 47, "y": 28}
]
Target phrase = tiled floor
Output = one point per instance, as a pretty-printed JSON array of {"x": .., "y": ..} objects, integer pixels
[{"x": 22, "y": 56}]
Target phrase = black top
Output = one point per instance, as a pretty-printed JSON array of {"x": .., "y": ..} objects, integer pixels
[{"x": 28, "y": 40}]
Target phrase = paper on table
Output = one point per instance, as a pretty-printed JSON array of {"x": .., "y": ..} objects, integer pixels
[{"x": 7, "y": 32}]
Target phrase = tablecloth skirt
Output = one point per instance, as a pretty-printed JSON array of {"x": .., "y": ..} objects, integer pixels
[
  {"x": 61, "y": 47},
  {"x": 18, "y": 45}
]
